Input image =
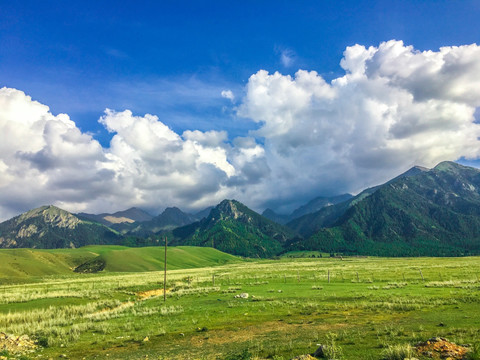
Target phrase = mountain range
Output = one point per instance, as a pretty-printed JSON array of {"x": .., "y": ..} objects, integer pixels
[
  {"x": 127, "y": 216},
  {"x": 434, "y": 212},
  {"x": 423, "y": 212},
  {"x": 169, "y": 219}
]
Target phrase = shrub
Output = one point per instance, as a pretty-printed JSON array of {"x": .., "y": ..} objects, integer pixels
[
  {"x": 398, "y": 352},
  {"x": 331, "y": 350}
]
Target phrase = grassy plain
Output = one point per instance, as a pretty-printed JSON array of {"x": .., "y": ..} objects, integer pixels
[
  {"x": 18, "y": 265},
  {"x": 369, "y": 305}
]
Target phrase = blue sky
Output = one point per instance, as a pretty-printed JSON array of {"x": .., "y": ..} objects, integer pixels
[
  {"x": 386, "y": 85},
  {"x": 170, "y": 58}
]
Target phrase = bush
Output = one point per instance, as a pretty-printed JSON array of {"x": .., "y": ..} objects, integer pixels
[
  {"x": 43, "y": 341},
  {"x": 398, "y": 352}
]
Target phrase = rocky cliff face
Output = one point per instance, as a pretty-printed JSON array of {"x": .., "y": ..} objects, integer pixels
[{"x": 50, "y": 215}]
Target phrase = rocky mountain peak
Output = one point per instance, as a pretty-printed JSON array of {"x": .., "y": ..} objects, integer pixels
[
  {"x": 230, "y": 209},
  {"x": 51, "y": 215}
]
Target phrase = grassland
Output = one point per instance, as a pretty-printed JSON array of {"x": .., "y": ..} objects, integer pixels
[
  {"x": 364, "y": 306},
  {"x": 18, "y": 265}
]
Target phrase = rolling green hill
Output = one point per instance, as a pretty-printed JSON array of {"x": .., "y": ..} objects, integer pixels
[
  {"x": 235, "y": 229},
  {"x": 152, "y": 258},
  {"x": 23, "y": 263},
  {"x": 17, "y": 264},
  {"x": 432, "y": 213}
]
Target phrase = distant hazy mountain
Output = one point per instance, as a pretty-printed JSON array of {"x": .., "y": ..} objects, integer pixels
[
  {"x": 203, "y": 213},
  {"x": 234, "y": 228},
  {"x": 170, "y": 218},
  {"x": 434, "y": 212},
  {"x": 51, "y": 227},
  {"x": 146, "y": 226},
  {"x": 127, "y": 216},
  {"x": 278, "y": 218},
  {"x": 311, "y": 207}
]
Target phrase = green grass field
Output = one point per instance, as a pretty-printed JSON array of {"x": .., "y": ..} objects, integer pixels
[
  {"x": 368, "y": 305},
  {"x": 18, "y": 265}
]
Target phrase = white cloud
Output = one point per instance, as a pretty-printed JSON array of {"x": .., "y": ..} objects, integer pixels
[
  {"x": 287, "y": 57},
  {"x": 44, "y": 157},
  {"x": 395, "y": 107},
  {"x": 228, "y": 94},
  {"x": 47, "y": 159}
]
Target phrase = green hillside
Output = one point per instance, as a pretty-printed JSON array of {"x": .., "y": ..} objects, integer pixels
[
  {"x": 234, "y": 228},
  {"x": 434, "y": 213},
  {"x": 18, "y": 264},
  {"x": 23, "y": 263},
  {"x": 327, "y": 216},
  {"x": 152, "y": 258}
]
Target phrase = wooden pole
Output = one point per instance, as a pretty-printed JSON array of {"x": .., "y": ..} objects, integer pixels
[
  {"x": 165, "y": 274},
  {"x": 421, "y": 274},
  {"x": 329, "y": 276}
]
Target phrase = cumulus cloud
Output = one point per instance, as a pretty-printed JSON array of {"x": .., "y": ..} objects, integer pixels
[
  {"x": 44, "y": 157},
  {"x": 394, "y": 107},
  {"x": 47, "y": 159}
]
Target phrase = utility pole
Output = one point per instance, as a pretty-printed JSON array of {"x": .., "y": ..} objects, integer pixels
[{"x": 165, "y": 274}]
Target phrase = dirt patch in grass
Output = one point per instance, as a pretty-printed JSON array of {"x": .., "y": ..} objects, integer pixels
[
  {"x": 143, "y": 295},
  {"x": 219, "y": 337}
]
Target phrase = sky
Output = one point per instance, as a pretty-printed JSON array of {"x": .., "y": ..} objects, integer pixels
[{"x": 106, "y": 105}]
